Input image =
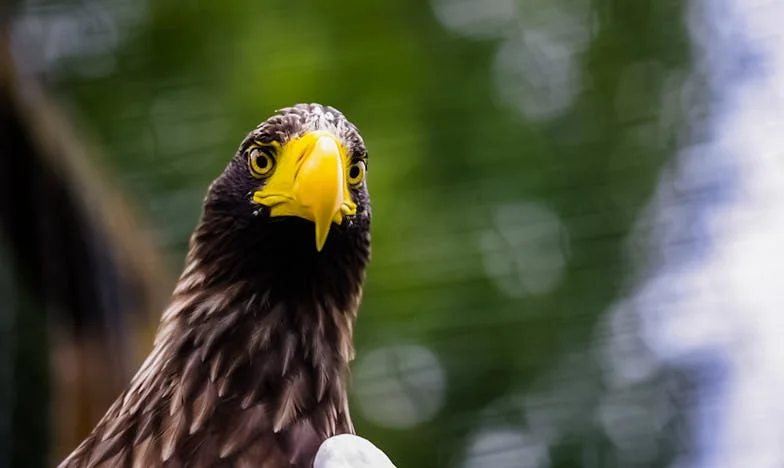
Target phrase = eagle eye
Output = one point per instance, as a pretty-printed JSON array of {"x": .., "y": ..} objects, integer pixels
[
  {"x": 261, "y": 160},
  {"x": 356, "y": 172}
]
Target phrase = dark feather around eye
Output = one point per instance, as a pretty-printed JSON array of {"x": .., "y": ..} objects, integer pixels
[{"x": 266, "y": 148}]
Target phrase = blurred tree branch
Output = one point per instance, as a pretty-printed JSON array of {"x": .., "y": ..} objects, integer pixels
[{"x": 83, "y": 260}]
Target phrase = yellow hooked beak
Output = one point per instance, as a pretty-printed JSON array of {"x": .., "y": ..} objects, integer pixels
[{"x": 309, "y": 181}]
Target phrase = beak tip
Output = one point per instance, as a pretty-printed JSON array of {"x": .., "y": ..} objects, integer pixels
[{"x": 321, "y": 239}]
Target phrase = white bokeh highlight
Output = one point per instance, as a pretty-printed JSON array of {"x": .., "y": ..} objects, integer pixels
[
  {"x": 535, "y": 69},
  {"x": 480, "y": 20},
  {"x": 90, "y": 31},
  {"x": 525, "y": 250},
  {"x": 509, "y": 447},
  {"x": 399, "y": 386}
]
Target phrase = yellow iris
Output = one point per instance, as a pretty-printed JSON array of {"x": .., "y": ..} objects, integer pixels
[{"x": 260, "y": 161}]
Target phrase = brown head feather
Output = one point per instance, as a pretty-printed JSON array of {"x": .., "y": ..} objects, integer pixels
[{"x": 250, "y": 361}]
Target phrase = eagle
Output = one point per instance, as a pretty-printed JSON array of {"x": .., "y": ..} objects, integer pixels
[{"x": 250, "y": 362}]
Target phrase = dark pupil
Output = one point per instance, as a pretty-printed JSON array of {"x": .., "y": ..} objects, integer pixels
[
  {"x": 353, "y": 172},
  {"x": 261, "y": 161}
]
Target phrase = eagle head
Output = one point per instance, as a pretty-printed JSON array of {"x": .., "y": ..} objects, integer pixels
[
  {"x": 294, "y": 199},
  {"x": 250, "y": 361}
]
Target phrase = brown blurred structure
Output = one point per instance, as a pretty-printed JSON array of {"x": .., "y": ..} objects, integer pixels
[{"x": 83, "y": 260}]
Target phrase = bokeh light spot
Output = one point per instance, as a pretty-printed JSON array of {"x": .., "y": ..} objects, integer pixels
[
  {"x": 506, "y": 448},
  {"x": 525, "y": 251},
  {"x": 399, "y": 386}
]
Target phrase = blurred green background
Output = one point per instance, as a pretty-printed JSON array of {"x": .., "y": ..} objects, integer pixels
[{"x": 512, "y": 145}]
